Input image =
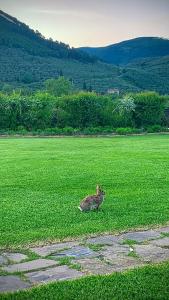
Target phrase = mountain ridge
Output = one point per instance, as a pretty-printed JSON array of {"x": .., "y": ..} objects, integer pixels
[
  {"x": 39, "y": 44},
  {"x": 27, "y": 59},
  {"x": 130, "y": 50}
]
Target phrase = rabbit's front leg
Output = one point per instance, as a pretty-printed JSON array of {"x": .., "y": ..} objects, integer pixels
[{"x": 97, "y": 208}]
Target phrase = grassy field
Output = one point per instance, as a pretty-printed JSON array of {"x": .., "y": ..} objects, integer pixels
[
  {"x": 43, "y": 180},
  {"x": 148, "y": 283}
]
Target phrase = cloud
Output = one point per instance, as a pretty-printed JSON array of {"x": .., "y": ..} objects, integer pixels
[{"x": 71, "y": 13}]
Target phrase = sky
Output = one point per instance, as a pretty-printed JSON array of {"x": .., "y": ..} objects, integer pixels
[{"x": 92, "y": 22}]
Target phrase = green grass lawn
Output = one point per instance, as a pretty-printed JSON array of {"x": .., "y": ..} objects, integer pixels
[
  {"x": 43, "y": 180},
  {"x": 148, "y": 283}
]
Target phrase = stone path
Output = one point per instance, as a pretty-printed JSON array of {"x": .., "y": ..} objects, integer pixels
[{"x": 102, "y": 254}]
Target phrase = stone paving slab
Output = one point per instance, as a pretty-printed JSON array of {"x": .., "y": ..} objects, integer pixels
[
  {"x": 53, "y": 274},
  {"x": 141, "y": 236},
  {"x": 46, "y": 250},
  {"x": 103, "y": 240},
  {"x": 120, "y": 263},
  {"x": 114, "y": 253},
  {"x": 15, "y": 257},
  {"x": 3, "y": 260},
  {"x": 163, "y": 229},
  {"x": 12, "y": 283},
  {"x": 115, "y": 250},
  {"x": 164, "y": 242},
  {"x": 76, "y": 252},
  {"x": 152, "y": 253},
  {"x": 30, "y": 265},
  {"x": 95, "y": 266}
]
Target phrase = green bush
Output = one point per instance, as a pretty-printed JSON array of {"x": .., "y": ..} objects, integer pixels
[
  {"x": 86, "y": 131},
  {"x": 67, "y": 131},
  {"x": 124, "y": 131},
  {"x": 97, "y": 130},
  {"x": 51, "y": 131},
  {"x": 21, "y": 130},
  {"x": 165, "y": 129},
  {"x": 149, "y": 110},
  {"x": 154, "y": 128},
  {"x": 92, "y": 113},
  {"x": 108, "y": 130}
]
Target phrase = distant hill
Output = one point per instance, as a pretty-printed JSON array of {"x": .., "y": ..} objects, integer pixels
[
  {"x": 13, "y": 33},
  {"x": 27, "y": 59},
  {"x": 129, "y": 51},
  {"x": 148, "y": 74}
]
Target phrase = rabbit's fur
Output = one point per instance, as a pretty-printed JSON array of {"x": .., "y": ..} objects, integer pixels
[{"x": 92, "y": 202}]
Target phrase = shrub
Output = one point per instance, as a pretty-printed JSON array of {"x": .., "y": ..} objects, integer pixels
[
  {"x": 91, "y": 112},
  {"x": 154, "y": 128},
  {"x": 108, "y": 130},
  {"x": 124, "y": 131},
  {"x": 149, "y": 110},
  {"x": 21, "y": 130},
  {"x": 67, "y": 131}
]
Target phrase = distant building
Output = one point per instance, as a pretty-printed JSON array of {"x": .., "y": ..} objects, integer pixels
[{"x": 113, "y": 91}]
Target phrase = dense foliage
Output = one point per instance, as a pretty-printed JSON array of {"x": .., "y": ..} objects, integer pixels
[
  {"x": 59, "y": 107},
  {"x": 149, "y": 110},
  {"x": 58, "y": 87}
]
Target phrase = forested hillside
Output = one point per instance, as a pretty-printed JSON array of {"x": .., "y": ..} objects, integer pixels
[
  {"x": 27, "y": 59},
  {"x": 149, "y": 74},
  {"x": 15, "y": 34},
  {"x": 19, "y": 69},
  {"x": 131, "y": 51}
]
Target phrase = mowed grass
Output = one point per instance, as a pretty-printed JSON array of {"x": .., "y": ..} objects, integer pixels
[
  {"x": 42, "y": 181},
  {"x": 148, "y": 283}
]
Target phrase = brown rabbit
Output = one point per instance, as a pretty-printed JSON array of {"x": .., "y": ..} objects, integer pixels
[{"x": 92, "y": 202}]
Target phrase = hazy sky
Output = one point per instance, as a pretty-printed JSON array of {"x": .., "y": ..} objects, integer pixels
[{"x": 92, "y": 22}]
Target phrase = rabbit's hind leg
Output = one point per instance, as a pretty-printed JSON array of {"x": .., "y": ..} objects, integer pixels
[{"x": 80, "y": 208}]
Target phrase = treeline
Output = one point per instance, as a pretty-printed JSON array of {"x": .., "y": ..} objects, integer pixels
[{"x": 43, "y": 110}]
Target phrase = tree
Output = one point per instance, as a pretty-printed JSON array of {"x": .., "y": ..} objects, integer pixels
[
  {"x": 90, "y": 89},
  {"x": 126, "y": 104},
  {"x": 122, "y": 111},
  {"x": 149, "y": 110},
  {"x": 84, "y": 86},
  {"x": 58, "y": 87},
  {"x": 26, "y": 77},
  {"x": 7, "y": 88},
  {"x": 60, "y": 73}
]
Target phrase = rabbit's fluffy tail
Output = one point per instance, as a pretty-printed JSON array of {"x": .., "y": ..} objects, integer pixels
[{"x": 80, "y": 208}]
